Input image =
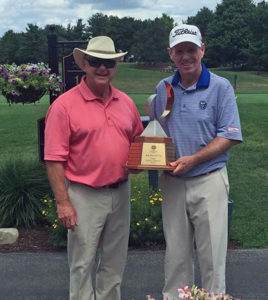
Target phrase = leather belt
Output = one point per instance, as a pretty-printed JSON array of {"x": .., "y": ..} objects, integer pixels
[
  {"x": 114, "y": 185},
  {"x": 212, "y": 171},
  {"x": 207, "y": 173}
]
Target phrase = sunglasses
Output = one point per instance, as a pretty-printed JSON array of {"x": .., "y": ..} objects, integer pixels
[{"x": 97, "y": 62}]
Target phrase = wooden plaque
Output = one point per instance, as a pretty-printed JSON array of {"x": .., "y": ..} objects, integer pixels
[{"x": 151, "y": 153}]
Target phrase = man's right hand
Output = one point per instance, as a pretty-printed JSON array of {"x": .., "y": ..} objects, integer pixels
[
  {"x": 66, "y": 212},
  {"x": 67, "y": 215}
]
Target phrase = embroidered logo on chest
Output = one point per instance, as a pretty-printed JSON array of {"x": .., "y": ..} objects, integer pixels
[{"x": 203, "y": 104}]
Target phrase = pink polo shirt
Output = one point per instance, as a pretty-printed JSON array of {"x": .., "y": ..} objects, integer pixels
[{"x": 91, "y": 138}]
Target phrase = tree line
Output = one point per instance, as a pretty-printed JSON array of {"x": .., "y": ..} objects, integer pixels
[{"x": 235, "y": 35}]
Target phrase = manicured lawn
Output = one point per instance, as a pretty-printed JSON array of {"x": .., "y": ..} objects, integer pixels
[{"x": 248, "y": 173}]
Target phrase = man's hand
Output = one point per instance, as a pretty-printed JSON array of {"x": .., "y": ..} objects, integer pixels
[
  {"x": 67, "y": 215},
  {"x": 215, "y": 148},
  {"x": 66, "y": 212},
  {"x": 183, "y": 164}
]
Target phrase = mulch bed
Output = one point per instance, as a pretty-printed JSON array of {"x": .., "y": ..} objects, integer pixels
[
  {"x": 37, "y": 240},
  {"x": 30, "y": 240}
]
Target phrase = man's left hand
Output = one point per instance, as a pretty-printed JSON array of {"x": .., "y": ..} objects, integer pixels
[{"x": 183, "y": 164}]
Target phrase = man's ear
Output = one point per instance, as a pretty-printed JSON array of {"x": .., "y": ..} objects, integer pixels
[
  {"x": 203, "y": 49},
  {"x": 84, "y": 64},
  {"x": 170, "y": 53}
]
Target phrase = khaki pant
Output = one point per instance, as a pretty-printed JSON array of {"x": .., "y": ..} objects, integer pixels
[
  {"x": 195, "y": 209},
  {"x": 103, "y": 223}
]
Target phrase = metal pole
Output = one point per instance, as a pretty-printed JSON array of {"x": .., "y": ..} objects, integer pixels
[
  {"x": 52, "y": 54},
  {"x": 153, "y": 179},
  {"x": 235, "y": 80}
]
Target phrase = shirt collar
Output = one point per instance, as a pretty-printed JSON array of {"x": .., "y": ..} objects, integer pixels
[
  {"x": 89, "y": 96},
  {"x": 203, "y": 81}
]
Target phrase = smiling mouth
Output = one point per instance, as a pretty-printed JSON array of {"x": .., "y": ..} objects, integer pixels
[
  {"x": 102, "y": 75},
  {"x": 186, "y": 64}
]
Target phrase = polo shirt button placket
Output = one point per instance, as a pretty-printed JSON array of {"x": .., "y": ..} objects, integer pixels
[
  {"x": 183, "y": 105},
  {"x": 109, "y": 121}
]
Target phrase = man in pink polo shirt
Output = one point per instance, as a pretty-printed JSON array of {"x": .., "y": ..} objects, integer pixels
[{"x": 87, "y": 138}]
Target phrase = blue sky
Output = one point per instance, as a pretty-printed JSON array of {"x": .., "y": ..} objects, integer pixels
[{"x": 17, "y": 14}]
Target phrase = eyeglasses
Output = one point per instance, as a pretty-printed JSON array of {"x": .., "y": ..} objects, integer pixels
[{"x": 97, "y": 62}]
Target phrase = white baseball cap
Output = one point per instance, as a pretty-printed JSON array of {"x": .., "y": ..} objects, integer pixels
[{"x": 185, "y": 33}]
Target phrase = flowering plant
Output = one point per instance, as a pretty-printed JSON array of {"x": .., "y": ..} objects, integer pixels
[
  {"x": 195, "y": 293},
  {"x": 27, "y": 83},
  {"x": 146, "y": 221}
]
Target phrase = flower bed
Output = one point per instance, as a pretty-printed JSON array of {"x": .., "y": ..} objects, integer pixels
[{"x": 27, "y": 83}]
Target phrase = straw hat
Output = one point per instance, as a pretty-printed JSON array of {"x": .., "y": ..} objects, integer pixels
[{"x": 101, "y": 47}]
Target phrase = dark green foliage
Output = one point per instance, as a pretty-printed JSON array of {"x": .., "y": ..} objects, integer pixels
[
  {"x": 57, "y": 233},
  {"x": 146, "y": 217},
  {"x": 23, "y": 183},
  {"x": 228, "y": 36},
  {"x": 151, "y": 42},
  {"x": 33, "y": 47},
  {"x": 202, "y": 19},
  {"x": 9, "y": 46},
  {"x": 235, "y": 35},
  {"x": 257, "y": 54},
  {"x": 98, "y": 24}
]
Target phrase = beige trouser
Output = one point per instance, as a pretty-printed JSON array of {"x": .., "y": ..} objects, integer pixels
[
  {"x": 195, "y": 209},
  {"x": 103, "y": 223}
]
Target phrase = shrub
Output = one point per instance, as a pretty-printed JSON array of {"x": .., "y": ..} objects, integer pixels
[
  {"x": 146, "y": 219},
  {"x": 22, "y": 184},
  {"x": 57, "y": 233}
]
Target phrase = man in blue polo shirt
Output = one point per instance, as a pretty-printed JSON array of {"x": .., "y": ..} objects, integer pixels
[{"x": 204, "y": 124}]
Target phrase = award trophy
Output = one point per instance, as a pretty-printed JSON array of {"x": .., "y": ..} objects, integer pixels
[{"x": 153, "y": 149}]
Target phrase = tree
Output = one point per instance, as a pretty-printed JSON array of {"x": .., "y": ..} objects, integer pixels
[
  {"x": 9, "y": 45},
  {"x": 122, "y": 31},
  {"x": 76, "y": 32},
  {"x": 98, "y": 24},
  {"x": 202, "y": 19},
  {"x": 33, "y": 47},
  {"x": 151, "y": 41},
  {"x": 228, "y": 35},
  {"x": 258, "y": 48}
]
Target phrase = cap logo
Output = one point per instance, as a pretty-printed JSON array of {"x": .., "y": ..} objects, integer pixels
[{"x": 184, "y": 31}]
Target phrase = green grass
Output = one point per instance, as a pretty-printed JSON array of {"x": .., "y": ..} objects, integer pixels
[
  {"x": 247, "y": 165},
  {"x": 131, "y": 79},
  {"x": 248, "y": 172},
  {"x": 247, "y": 82},
  {"x": 18, "y": 130}
]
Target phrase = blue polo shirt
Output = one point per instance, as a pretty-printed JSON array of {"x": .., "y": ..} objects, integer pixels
[{"x": 199, "y": 114}]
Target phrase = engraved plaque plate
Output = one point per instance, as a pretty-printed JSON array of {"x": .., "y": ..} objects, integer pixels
[{"x": 143, "y": 157}]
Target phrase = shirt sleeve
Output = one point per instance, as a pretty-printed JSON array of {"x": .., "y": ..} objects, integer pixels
[
  {"x": 57, "y": 133},
  {"x": 228, "y": 121}
]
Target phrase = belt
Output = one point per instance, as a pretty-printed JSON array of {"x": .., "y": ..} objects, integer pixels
[
  {"x": 207, "y": 173},
  {"x": 114, "y": 185},
  {"x": 212, "y": 171}
]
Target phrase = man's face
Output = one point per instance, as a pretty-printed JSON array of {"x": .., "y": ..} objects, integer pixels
[
  {"x": 187, "y": 58},
  {"x": 99, "y": 71}
]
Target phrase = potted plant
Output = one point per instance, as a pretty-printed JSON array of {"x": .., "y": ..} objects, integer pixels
[{"x": 27, "y": 83}]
